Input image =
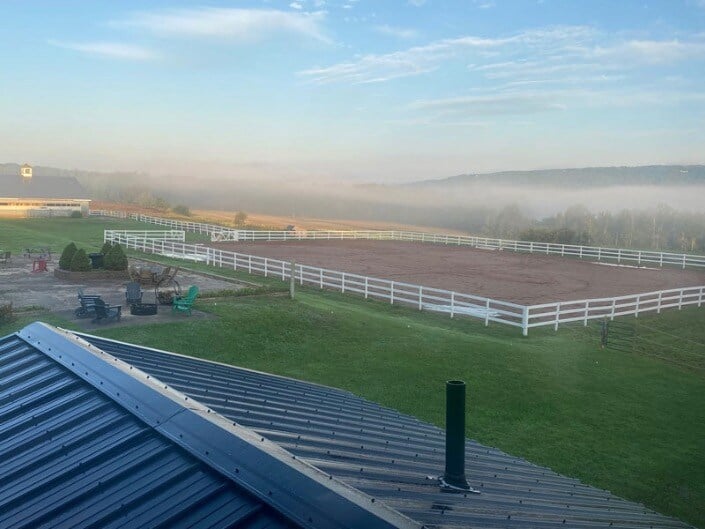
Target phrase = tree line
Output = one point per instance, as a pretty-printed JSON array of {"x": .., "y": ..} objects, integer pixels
[{"x": 663, "y": 228}]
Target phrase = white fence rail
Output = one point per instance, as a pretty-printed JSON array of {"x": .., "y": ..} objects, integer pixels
[
  {"x": 156, "y": 235},
  {"x": 418, "y": 296},
  {"x": 600, "y": 308},
  {"x": 593, "y": 253}
]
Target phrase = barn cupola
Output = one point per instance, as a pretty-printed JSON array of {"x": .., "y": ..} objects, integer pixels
[{"x": 26, "y": 171}]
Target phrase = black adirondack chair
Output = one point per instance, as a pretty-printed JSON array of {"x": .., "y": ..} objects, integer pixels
[
  {"x": 133, "y": 293},
  {"x": 106, "y": 312}
]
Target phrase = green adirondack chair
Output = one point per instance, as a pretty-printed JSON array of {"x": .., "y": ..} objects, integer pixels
[{"x": 184, "y": 303}]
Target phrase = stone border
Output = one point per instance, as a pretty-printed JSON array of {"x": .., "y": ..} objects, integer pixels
[{"x": 68, "y": 275}]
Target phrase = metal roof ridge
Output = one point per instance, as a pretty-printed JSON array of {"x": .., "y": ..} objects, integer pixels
[{"x": 298, "y": 490}]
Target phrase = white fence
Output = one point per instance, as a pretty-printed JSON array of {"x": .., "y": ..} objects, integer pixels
[
  {"x": 591, "y": 309},
  {"x": 394, "y": 292},
  {"x": 156, "y": 235},
  {"x": 418, "y": 296},
  {"x": 593, "y": 253}
]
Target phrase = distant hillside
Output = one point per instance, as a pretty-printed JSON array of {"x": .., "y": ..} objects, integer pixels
[
  {"x": 583, "y": 177},
  {"x": 7, "y": 169}
]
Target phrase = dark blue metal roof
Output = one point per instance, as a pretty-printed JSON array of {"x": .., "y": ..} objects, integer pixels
[
  {"x": 388, "y": 455},
  {"x": 89, "y": 441}
]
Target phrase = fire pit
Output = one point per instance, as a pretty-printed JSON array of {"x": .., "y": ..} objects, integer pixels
[{"x": 143, "y": 309}]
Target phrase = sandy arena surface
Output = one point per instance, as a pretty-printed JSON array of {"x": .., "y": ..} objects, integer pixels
[{"x": 502, "y": 275}]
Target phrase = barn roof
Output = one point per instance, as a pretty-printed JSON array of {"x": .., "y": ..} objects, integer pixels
[
  {"x": 87, "y": 440},
  {"x": 41, "y": 187},
  {"x": 388, "y": 455}
]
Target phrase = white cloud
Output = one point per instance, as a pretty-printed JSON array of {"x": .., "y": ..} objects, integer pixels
[
  {"x": 400, "y": 33},
  {"x": 524, "y": 56},
  {"x": 653, "y": 51},
  {"x": 417, "y": 3},
  {"x": 112, "y": 50},
  {"x": 528, "y": 101},
  {"x": 423, "y": 59},
  {"x": 489, "y": 105},
  {"x": 242, "y": 24},
  {"x": 295, "y": 5}
]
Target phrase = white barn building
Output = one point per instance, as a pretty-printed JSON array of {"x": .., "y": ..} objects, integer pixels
[{"x": 27, "y": 195}]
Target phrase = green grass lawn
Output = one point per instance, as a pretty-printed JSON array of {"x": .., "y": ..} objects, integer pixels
[
  {"x": 57, "y": 232},
  {"x": 632, "y": 422}
]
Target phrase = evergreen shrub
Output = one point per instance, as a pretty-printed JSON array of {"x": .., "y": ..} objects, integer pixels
[
  {"x": 67, "y": 256},
  {"x": 80, "y": 262}
]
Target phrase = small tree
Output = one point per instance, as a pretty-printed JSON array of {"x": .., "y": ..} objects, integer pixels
[
  {"x": 240, "y": 219},
  {"x": 115, "y": 259},
  {"x": 180, "y": 209},
  {"x": 107, "y": 245},
  {"x": 80, "y": 261},
  {"x": 67, "y": 256}
]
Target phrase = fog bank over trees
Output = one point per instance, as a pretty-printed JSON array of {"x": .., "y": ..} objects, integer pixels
[{"x": 660, "y": 207}]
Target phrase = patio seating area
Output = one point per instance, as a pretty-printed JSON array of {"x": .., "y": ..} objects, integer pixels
[{"x": 76, "y": 302}]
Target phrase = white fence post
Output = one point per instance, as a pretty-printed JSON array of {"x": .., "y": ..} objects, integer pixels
[
  {"x": 680, "y": 300},
  {"x": 558, "y": 312},
  {"x": 366, "y": 287},
  {"x": 487, "y": 312},
  {"x": 452, "y": 304},
  {"x": 700, "y": 297},
  {"x": 265, "y": 267},
  {"x": 636, "y": 311},
  {"x": 420, "y": 297},
  {"x": 658, "y": 303},
  {"x": 391, "y": 293},
  {"x": 320, "y": 277},
  {"x": 614, "y": 304},
  {"x": 525, "y": 321},
  {"x": 342, "y": 282},
  {"x": 587, "y": 308}
]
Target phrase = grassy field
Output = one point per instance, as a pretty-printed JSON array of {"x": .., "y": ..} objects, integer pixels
[{"x": 631, "y": 421}]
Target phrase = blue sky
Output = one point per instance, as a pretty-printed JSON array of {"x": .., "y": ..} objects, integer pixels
[{"x": 359, "y": 90}]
